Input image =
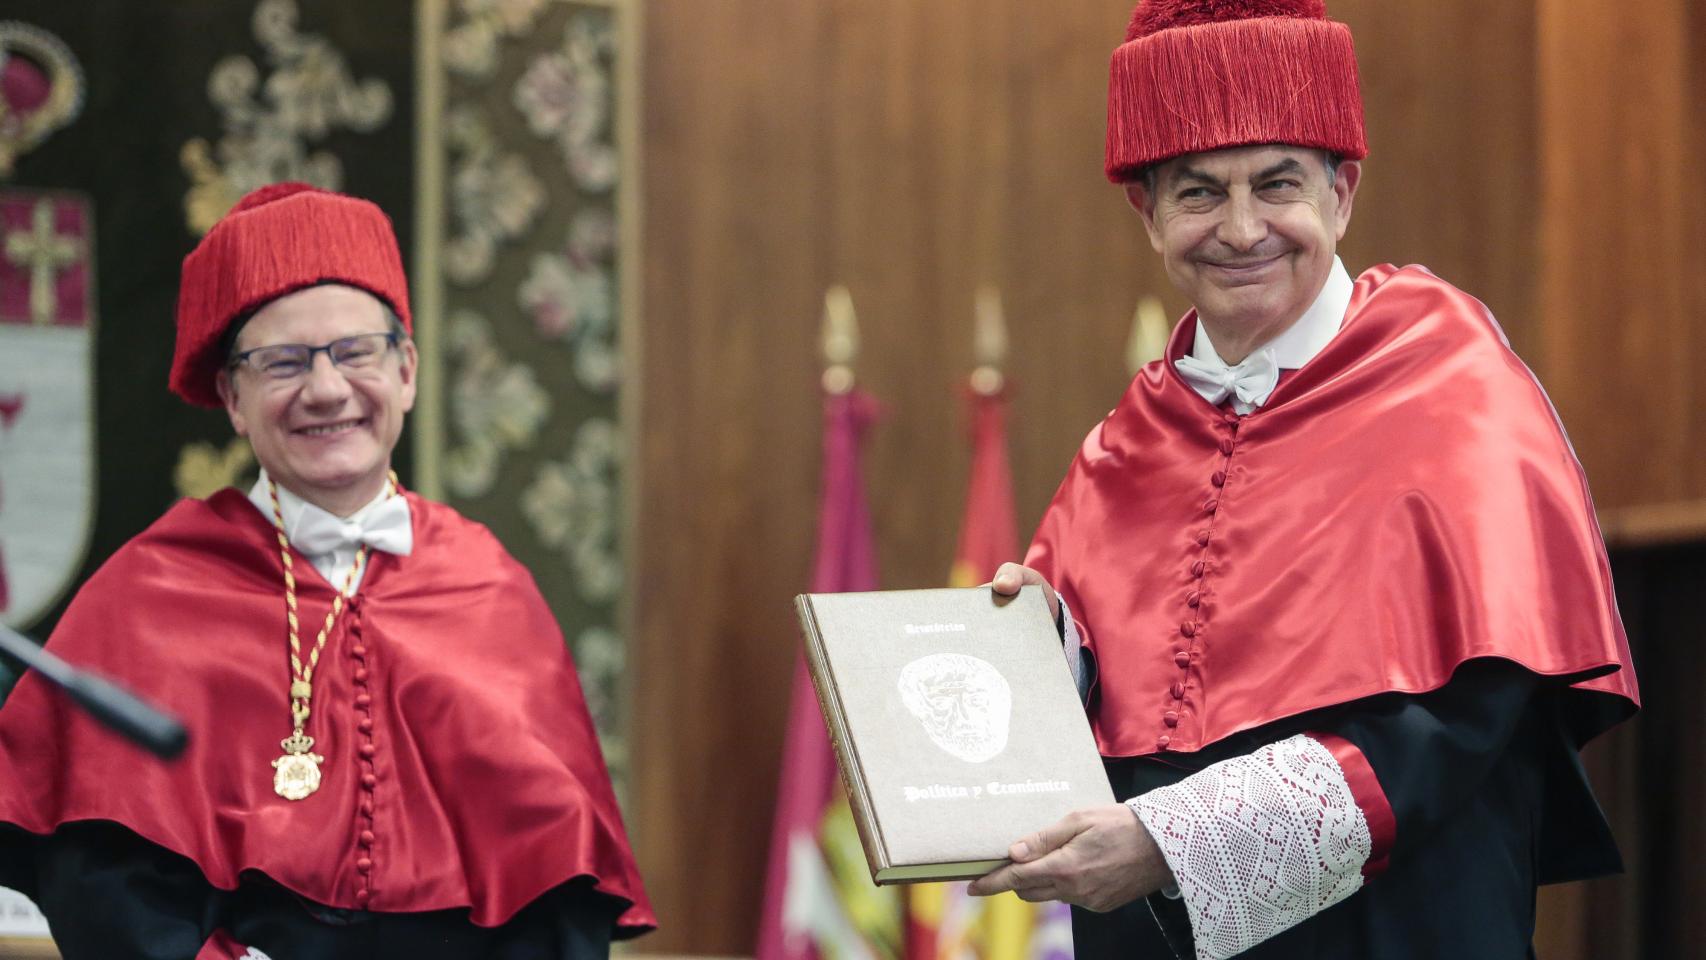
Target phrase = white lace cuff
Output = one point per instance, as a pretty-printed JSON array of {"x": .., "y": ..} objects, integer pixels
[{"x": 1259, "y": 843}]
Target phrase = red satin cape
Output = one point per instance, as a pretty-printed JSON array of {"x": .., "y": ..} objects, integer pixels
[
  {"x": 489, "y": 786},
  {"x": 1405, "y": 502}
]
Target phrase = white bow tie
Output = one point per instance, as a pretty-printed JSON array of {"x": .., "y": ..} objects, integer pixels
[
  {"x": 1248, "y": 383},
  {"x": 382, "y": 526}
]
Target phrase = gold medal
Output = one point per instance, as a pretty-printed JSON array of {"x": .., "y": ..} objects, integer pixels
[{"x": 297, "y": 773}]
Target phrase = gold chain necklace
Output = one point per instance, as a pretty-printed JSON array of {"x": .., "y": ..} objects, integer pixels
[{"x": 297, "y": 774}]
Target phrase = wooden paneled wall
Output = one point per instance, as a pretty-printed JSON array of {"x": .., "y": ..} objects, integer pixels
[
  {"x": 1622, "y": 324},
  {"x": 913, "y": 150},
  {"x": 1451, "y": 178},
  {"x": 1622, "y": 222}
]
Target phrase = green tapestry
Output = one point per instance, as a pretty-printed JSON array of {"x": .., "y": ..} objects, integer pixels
[{"x": 523, "y": 223}]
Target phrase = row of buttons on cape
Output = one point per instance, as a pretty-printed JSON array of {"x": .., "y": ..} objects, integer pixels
[
  {"x": 364, "y": 750},
  {"x": 1192, "y": 625}
]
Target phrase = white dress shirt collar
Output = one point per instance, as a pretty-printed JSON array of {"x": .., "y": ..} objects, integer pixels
[{"x": 330, "y": 542}]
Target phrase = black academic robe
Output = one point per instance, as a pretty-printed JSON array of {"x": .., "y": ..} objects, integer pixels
[{"x": 108, "y": 893}]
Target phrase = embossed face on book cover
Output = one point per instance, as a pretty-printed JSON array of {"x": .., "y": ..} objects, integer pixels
[{"x": 964, "y": 703}]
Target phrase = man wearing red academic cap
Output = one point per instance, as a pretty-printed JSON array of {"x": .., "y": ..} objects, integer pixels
[
  {"x": 1329, "y": 573},
  {"x": 390, "y": 753}
]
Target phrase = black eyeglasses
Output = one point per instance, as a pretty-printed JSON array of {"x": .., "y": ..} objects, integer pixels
[{"x": 287, "y": 361}]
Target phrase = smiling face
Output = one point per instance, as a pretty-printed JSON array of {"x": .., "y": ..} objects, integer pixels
[
  {"x": 326, "y": 435},
  {"x": 1248, "y": 234}
]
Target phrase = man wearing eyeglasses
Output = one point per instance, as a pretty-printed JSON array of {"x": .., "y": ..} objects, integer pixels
[
  {"x": 390, "y": 753},
  {"x": 323, "y": 429}
]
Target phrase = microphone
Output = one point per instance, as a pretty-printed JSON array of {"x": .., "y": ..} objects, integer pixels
[{"x": 122, "y": 711}]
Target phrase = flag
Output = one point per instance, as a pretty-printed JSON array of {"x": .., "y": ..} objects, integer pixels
[
  {"x": 819, "y": 902},
  {"x": 943, "y": 921},
  {"x": 987, "y": 528}
]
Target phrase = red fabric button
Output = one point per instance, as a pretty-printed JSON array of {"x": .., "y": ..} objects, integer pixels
[
  {"x": 1182, "y": 658},
  {"x": 1202, "y": 539},
  {"x": 363, "y": 895},
  {"x": 361, "y": 675},
  {"x": 1170, "y": 718},
  {"x": 1197, "y": 568},
  {"x": 365, "y": 724},
  {"x": 366, "y": 751},
  {"x": 1178, "y": 690},
  {"x": 358, "y": 651},
  {"x": 1194, "y": 599},
  {"x": 1226, "y": 446},
  {"x": 1188, "y": 628},
  {"x": 1231, "y": 419},
  {"x": 363, "y": 701},
  {"x": 1162, "y": 741},
  {"x": 369, "y": 781},
  {"x": 367, "y": 838},
  {"x": 1219, "y": 478},
  {"x": 1211, "y": 506},
  {"x": 364, "y": 865}
]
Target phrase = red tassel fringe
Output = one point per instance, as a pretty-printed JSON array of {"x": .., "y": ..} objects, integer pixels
[
  {"x": 1210, "y": 86},
  {"x": 1151, "y": 16}
]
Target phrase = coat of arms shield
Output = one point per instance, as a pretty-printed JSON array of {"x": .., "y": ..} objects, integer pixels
[{"x": 47, "y": 353}]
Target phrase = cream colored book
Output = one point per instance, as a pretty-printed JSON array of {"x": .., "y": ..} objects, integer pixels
[{"x": 955, "y": 721}]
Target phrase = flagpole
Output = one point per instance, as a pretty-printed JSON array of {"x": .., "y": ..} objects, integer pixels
[
  {"x": 1149, "y": 332},
  {"x": 945, "y": 921},
  {"x": 813, "y": 906},
  {"x": 840, "y": 340},
  {"x": 989, "y": 342}
]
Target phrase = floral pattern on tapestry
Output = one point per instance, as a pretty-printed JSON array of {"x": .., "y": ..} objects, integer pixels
[
  {"x": 471, "y": 46},
  {"x": 272, "y": 122},
  {"x": 600, "y": 658},
  {"x": 494, "y": 197},
  {"x": 572, "y": 505},
  {"x": 571, "y": 297},
  {"x": 529, "y": 272},
  {"x": 205, "y": 468},
  {"x": 566, "y": 97},
  {"x": 496, "y": 405}
]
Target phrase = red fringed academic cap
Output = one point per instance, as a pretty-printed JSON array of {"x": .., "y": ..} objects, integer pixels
[
  {"x": 1197, "y": 75},
  {"x": 277, "y": 239}
]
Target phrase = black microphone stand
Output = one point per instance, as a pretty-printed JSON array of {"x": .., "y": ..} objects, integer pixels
[{"x": 159, "y": 733}]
